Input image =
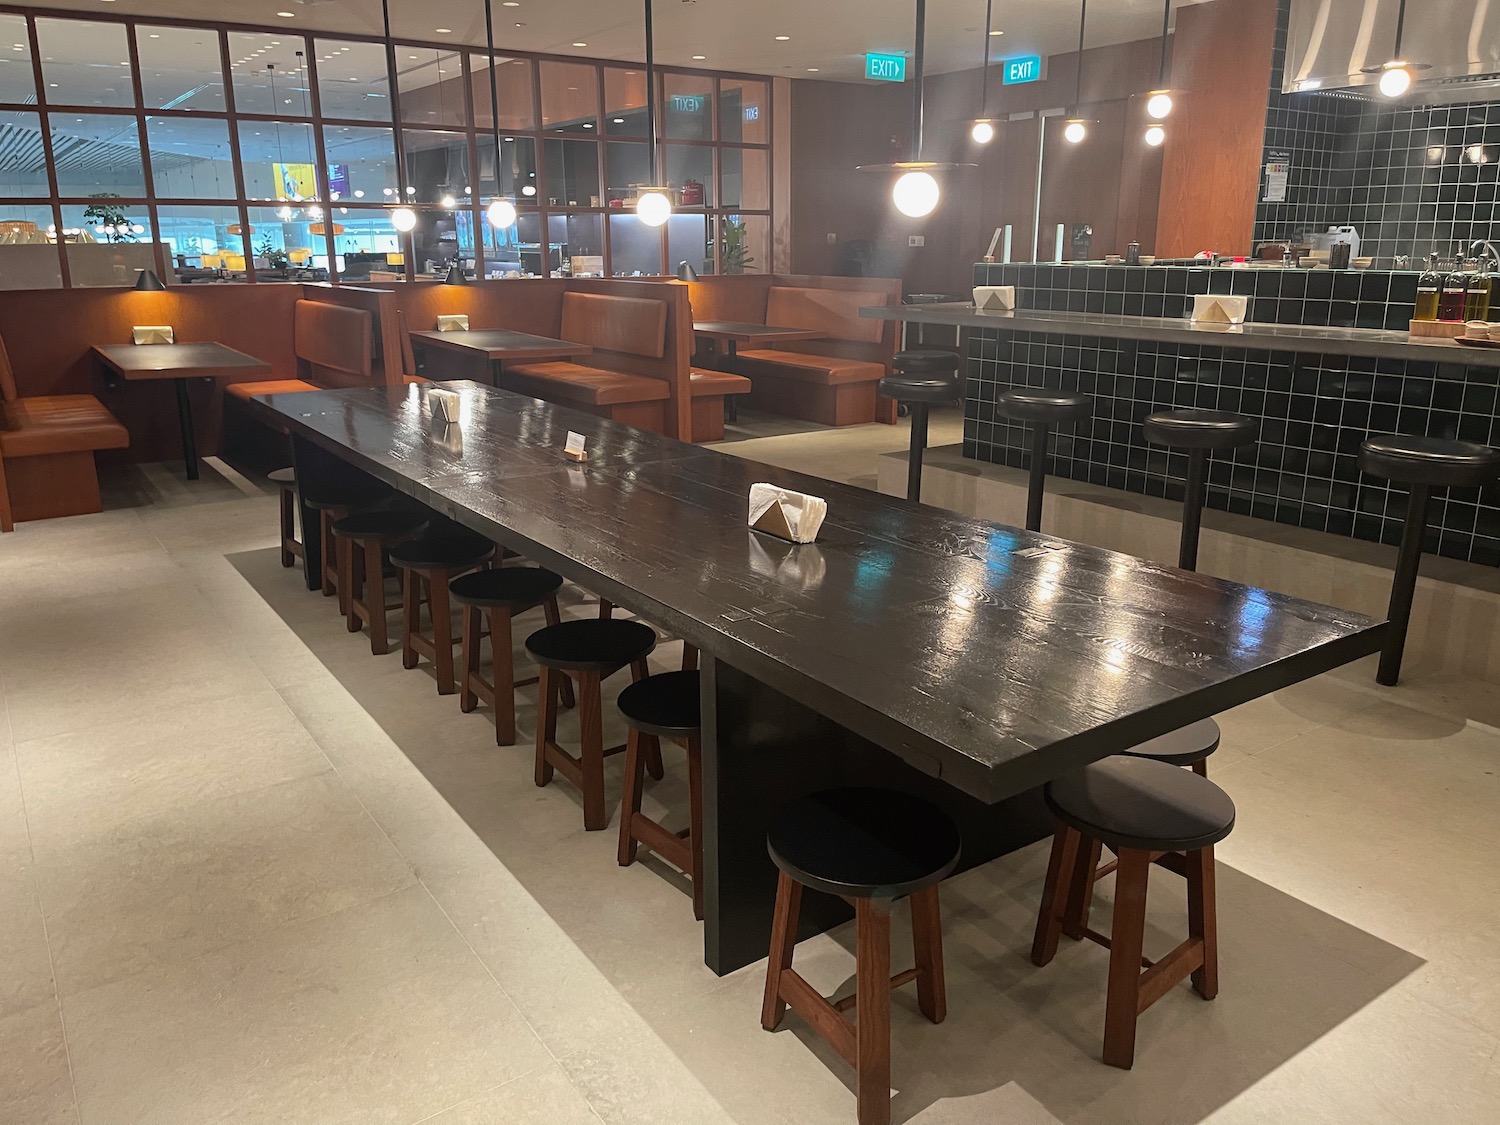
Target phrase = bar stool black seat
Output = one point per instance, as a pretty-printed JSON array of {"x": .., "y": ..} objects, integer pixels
[
  {"x": 1422, "y": 464},
  {"x": 1187, "y": 746},
  {"x": 363, "y": 538},
  {"x": 285, "y": 481},
  {"x": 663, "y": 706},
  {"x": 590, "y": 651},
  {"x": 870, "y": 846},
  {"x": 1044, "y": 409},
  {"x": 333, "y": 501},
  {"x": 920, "y": 379},
  {"x": 1199, "y": 432},
  {"x": 1145, "y": 812},
  {"x": 427, "y": 564}
]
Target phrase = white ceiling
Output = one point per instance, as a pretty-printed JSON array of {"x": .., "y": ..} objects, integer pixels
[{"x": 827, "y": 37}]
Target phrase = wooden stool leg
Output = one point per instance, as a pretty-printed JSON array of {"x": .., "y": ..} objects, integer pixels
[
  {"x": 927, "y": 942},
  {"x": 351, "y": 562},
  {"x": 549, "y": 610},
  {"x": 375, "y": 597},
  {"x": 1203, "y": 919},
  {"x": 689, "y": 657},
  {"x": 638, "y": 672},
  {"x": 606, "y": 610},
  {"x": 1081, "y": 889},
  {"x": 546, "y": 719},
  {"x": 1404, "y": 584},
  {"x": 411, "y": 614},
  {"x": 330, "y": 557},
  {"x": 505, "y": 678},
  {"x": 288, "y": 526},
  {"x": 1127, "y": 936},
  {"x": 695, "y": 819},
  {"x": 783, "y": 941},
  {"x": 1054, "y": 895},
  {"x": 872, "y": 974},
  {"x": 468, "y": 699},
  {"x": 441, "y": 612},
  {"x": 630, "y": 803},
  {"x": 591, "y": 751},
  {"x": 1200, "y": 767}
]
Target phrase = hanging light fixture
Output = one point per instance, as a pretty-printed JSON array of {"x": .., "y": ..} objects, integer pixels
[
  {"x": 983, "y": 130},
  {"x": 1159, "y": 101},
  {"x": 455, "y": 274},
  {"x": 652, "y": 206},
  {"x": 1075, "y": 128},
  {"x": 146, "y": 281},
  {"x": 916, "y": 192},
  {"x": 501, "y": 213},
  {"x": 1396, "y": 76}
]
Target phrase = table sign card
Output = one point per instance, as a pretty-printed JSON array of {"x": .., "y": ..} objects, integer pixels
[
  {"x": 574, "y": 450},
  {"x": 445, "y": 404},
  {"x": 152, "y": 334},
  {"x": 786, "y": 514},
  {"x": 458, "y": 322}
]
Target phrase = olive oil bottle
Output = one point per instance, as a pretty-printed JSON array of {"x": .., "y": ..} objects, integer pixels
[
  {"x": 1477, "y": 303},
  {"x": 1429, "y": 289},
  {"x": 1455, "y": 293}
]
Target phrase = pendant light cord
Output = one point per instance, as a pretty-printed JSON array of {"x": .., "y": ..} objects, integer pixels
[
  {"x": 1083, "y": 15},
  {"x": 489, "y": 39},
  {"x": 1161, "y": 65},
  {"x": 984, "y": 61},
  {"x": 391, "y": 96},
  {"x": 916, "y": 101},
  {"x": 1400, "y": 25},
  {"x": 651, "y": 89}
]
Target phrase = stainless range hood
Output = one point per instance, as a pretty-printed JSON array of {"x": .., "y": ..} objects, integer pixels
[{"x": 1329, "y": 41}]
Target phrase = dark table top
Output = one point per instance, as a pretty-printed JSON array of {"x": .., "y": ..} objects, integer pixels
[
  {"x": 748, "y": 332},
  {"x": 502, "y": 344},
  {"x": 178, "y": 361},
  {"x": 989, "y": 656}
]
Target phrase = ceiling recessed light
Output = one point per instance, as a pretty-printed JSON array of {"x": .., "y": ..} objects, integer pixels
[
  {"x": 619, "y": 121},
  {"x": 411, "y": 56},
  {"x": 155, "y": 36},
  {"x": 997, "y": 33},
  {"x": 782, "y": 38},
  {"x": 812, "y": 70},
  {"x": 699, "y": 58},
  {"x": 443, "y": 30},
  {"x": 287, "y": 15},
  {"x": 580, "y": 44}
]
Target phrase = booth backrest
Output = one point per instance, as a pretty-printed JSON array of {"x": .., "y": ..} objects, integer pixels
[
  {"x": 833, "y": 312},
  {"x": 337, "y": 343},
  {"x": 7, "y": 376},
  {"x": 631, "y": 325}
]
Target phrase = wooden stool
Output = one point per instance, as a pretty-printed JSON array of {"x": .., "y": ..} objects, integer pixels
[
  {"x": 285, "y": 481},
  {"x": 333, "y": 504},
  {"x": 1147, "y": 813},
  {"x": 491, "y": 600},
  {"x": 1199, "y": 432},
  {"x": 664, "y": 706},
  {"x": 870, "y": 847},
  {"x": 427, "y": 565},
  {"x": 1044, "y": 409},
  {"x": 591, "y": 651},
  {"x": 362, "y": 539}
]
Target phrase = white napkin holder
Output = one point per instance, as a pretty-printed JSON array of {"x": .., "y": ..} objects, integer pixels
[
  {"x": 1219, "y": 308},
  {"x": 995, "y": 298},
  {"x": 458, "y": 322},
  {"x": 445, "y": 404},
  {"x": 794, "y": 516},
  {"x": 152, "y": 334}
]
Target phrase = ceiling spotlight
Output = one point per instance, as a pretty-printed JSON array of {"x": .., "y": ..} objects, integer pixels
[
  {"x": 1155, "y": 134},
  {"x": 915, "y": 194},
  {"x": 449, "y": 202},
  {"x": 528, "y": 190},
  {"x": 1075, "y": 130},
  {"x": 982, "y": 133},
  {"x": 1395, "y": 78},
  {"x": 782, "y": 38}
]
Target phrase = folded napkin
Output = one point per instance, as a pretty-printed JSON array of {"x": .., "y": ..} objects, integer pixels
[
  {"x": 995, "y": 298},
  {"x": 445, "y": 404},
  {"x": 785, "y": 514}
]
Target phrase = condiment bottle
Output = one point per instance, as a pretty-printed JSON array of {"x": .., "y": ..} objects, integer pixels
[
  {"x": 1455, "y": 293},
  {"x": 1477, "y": 303},
  {"x": 1429, "y": 289}
]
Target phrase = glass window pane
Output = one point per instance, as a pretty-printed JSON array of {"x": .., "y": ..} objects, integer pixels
[
  {"x": 361, "y": 162},
  {"x": 367, "y": 243},
  {"x": 441, "y": 237},
  {"x": 690, "y": 172},
  {"x": 180, "y": 68},
  {"x": 690, "y": 239},
  {"x": 107, "y": 243},
  {"x": 97, "y": 153},
  {"x": 502, "y": 251},
  {"x": 190, "y": 158},
  {"x": 746, "y": 176},
  {"x": 634, "y": 248},
  {"x": 28, "y": 252},
  {"x": 528, "y": 244},
  {"x": 432, "y": 86},
  {"x": 745, "y": 243},
  {"x": 85, "y": 63},
  {"x": 570, "y": 97},
  {"x": 625, "y": 103},
  {"x": 512, "y": 89},
  {"x": 582, "y": 237},
  {"x": 17, "y": 84},
  {"x": 269, "y": 71},
  {"x": 744, "y": 111},
  {"x": 627, "y": 167},
  {"x": 280, "y": 160},
  {"x": 352, "y": 80},
  {"x": 202, "y": 243},
  {"x": 517, "y": 167},
  {"x": 688, "y": 107},
  {"x": 284, "y": 245},
  {"x": 572, "y": 173},
  {"x": 23, "y": 165},
  {"x": 437, "y": 166}
]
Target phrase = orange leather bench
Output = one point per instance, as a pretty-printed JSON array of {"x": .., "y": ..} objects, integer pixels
[
  {"x": 336, "y": 343},
  {"x": 47, "y": 446},
  {"x": 709, "y": 391},
  {"x": 622, "y": 331},
  {"x": 804, "y": 378}
]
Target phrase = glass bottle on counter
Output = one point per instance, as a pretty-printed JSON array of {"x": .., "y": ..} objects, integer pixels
[
  {"x": 1455, "y": 293},
  {"x": 1429, "y": 289},
  {"x": 1477, "y": 303}
]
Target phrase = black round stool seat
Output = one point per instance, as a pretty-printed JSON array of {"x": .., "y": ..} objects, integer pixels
[
  {"x": 926, "y": 363},
  {"x": 864, "y": 843},
  {"x": 1200, "y": 429},
  {"x": 1438, "y": 462},
  {"x": 665, "y": 704},
  {"x": 921, "y": 388},
  {"x": 1036, "y": 404},
  {"x": 505, "y": 586},
  {"x": 1128, "y": 802},
  {"x": 325, "y": 497},
  {"x": 287, "y": 475},
  {"x": 1185, "y": 746},
  {"x": 380, "y": 524},
  {"x": 444, "y": 551},
  {"x": 591, "y": 645}
]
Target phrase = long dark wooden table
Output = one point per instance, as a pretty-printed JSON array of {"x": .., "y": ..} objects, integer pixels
[{"x": 909, "y": 646}]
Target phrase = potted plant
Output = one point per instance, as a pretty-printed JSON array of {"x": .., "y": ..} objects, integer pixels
[
  {"x": 108, "y": 218},
  {"x": 737, "y": 257},
  {"x": 275, "y": 257}
]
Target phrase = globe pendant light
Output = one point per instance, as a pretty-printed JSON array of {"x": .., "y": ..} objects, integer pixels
[
  {"x": 1396, "y": 76},
  {"x": 983, "y": 130},
  {"x": 652, "y": 206},
  {"x": 1076, "y": 128},
  {"x": 1159, "y": 101},
  {"x": 501, "y": 213}
]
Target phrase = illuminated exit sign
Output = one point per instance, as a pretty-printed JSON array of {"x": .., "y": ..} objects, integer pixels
[
  {"x": 688, "y": 103},
  {"x": 885, "y": 68},
  {"x": 1028, "y": 68}
]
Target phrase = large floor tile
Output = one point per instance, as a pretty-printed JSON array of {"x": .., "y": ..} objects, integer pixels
[
  {"x": 376, "y": 1014},
  {"x": 35, "y": 1085},
  {"x": 544, "y": 1097}
]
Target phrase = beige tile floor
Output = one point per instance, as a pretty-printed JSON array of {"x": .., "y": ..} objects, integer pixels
[{"x": 253, "y": 874}]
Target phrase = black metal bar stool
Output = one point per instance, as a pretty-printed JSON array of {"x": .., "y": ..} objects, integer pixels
[
  {"x": 870, "y": 847},
  {"x": 1147, "y": 813},
  {"x": 491, "y": 599},
  {"x": 285, "y": 481},
  {"x": 427, "y": 564},
  {"x": 363, "y": 539},
  {"x": 333, "y": 503},
  {"x": 1044, "y": 409},
  {"x": 663, "y": 706},
  {"x": 919, "y": 380},
  {"x": 1422, "y": 464},
  {"x": 591, "y": 651},
  {"x": 1199, "y": 432}
]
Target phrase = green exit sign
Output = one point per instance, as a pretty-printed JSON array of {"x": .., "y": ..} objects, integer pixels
[{"x": 885, "y": 68}]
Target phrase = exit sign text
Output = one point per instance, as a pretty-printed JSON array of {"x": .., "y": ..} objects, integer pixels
[
  {"x": 885, "y": 68},
  {"x": 1025, "y": 69}
]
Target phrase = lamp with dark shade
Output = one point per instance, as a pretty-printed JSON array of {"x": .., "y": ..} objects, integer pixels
[
  {"x": 147, "y": 282},
  {"x": 686, "y": 272},
  {"x": 455, "y": 275}
]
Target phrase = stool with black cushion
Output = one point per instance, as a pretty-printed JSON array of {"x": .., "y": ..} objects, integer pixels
[
  {"x": 1422, "y": 464},
  {"x": 363, "y": 538},
  {"x": 869, "y": 847},
  {"x": 1044, "y": 409},
  {"x": 285, "y": 481},
  {"x": 663, "y": 706},
  {"x": 1146, "y": 812},
  {"x": 920, "y": 380},
  {"x": 427, "y": 564},
  {"x": 491, "y": 600},
  {"x": 589, "y": 651},
  {"x": 333, "y": 503},
  {"x": 1200, "y": 432}
]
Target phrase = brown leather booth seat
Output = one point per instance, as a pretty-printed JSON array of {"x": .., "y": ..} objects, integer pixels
[
  {"x": 709, "y": 389},
  {"x": 336, "y": 344}
]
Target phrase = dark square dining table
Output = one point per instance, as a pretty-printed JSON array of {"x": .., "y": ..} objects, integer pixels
[
  {"x": 492, "y": 348},
  {"x": 733, "y": 333}
]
